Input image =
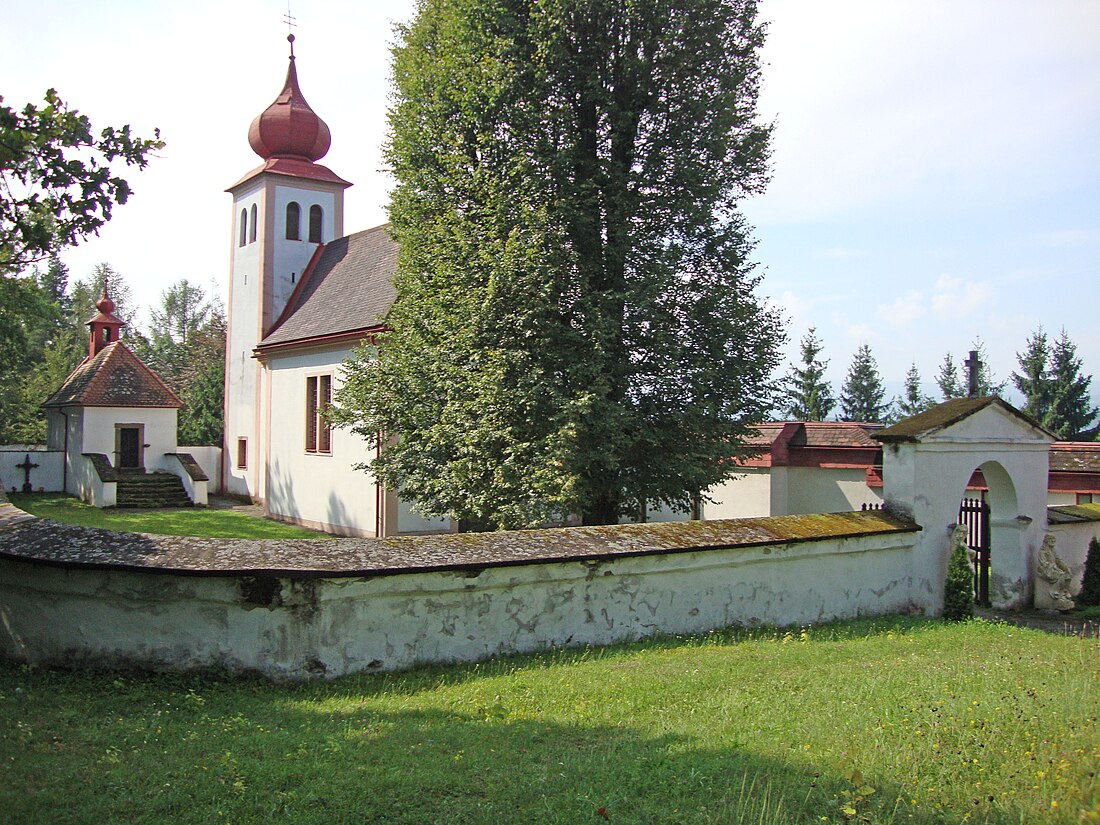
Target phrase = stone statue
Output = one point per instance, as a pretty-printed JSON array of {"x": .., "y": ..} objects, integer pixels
[
  {"x": 1052, "y": 579},
  {"x": 960, "y": 537}
]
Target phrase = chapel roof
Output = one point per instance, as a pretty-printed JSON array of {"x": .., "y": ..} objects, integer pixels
[
  {"x": 114, "y": 377},
  {"x": 347, "y": 289}
]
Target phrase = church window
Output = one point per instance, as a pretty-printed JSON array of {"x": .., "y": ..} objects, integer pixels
[
  {"x": 244, "y": 227},
  {"x": 318, "y": 399},
  {"x": 293, "y": 222},
  {"x": 252, "y": 228},
  {"x": 242, "y": 453},
  {"x": 316, "y": 222}
]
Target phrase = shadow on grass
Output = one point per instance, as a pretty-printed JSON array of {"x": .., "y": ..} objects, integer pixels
[{"x": 221, "y": 756}]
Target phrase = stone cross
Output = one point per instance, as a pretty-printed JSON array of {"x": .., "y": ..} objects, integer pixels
[
  {"x": 973, "y": 366},
  {"x": 26, "y": 467}
]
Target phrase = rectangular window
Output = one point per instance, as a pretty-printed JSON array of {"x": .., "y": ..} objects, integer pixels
[
  {"x": 318, "y": 398},
  {"x": 242, "y": 453},
  {"x": 1086, "y": 498}
]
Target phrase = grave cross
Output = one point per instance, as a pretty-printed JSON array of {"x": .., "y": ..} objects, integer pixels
[
  {"x": 26, "y": 467},
  {"x": 973, "y": 365}
]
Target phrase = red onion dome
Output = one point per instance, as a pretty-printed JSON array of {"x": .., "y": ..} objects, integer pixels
[{"x": 288, "y": 128}]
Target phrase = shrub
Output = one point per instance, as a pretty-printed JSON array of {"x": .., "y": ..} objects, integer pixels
[
  {"x": 1090, "y": 586},
  {"x": 958, "y": 590}
]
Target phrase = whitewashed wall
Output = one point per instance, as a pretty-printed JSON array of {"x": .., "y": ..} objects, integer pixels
[
  {"x": 333, "y": 626},
  {"x": 747, "y": 495},
  {"x": 784, "y": 491},
  {"x": 1072, "y": 547},
  {"x": 159, "y": 432},
  {"x": 210, "y": 459},
  {"x": 48, "y": 476},
  {"x": 313, "y": 489}
]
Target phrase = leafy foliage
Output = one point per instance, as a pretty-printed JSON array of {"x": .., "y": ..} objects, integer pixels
[
  {"x": 861, "y": 397},
  {"x": 1090, "y": 583},
  {"x": 57, "y": 180},
  {"x": 576, "y": 329},
  {"x": 912, "y": 401},
  {"x": 958, "y": 590},
  {"x": 809, "y": 395}
]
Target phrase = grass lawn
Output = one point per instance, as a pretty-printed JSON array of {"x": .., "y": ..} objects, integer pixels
[
  {"x": 894, "y": 721},
  {"x": 224, "y": 524}
]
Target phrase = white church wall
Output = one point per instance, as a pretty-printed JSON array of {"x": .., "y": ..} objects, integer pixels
[
  {"x": 292, "y": 256},
  {"x": 48, "y": 476},
  {"x": 332, "y": 626},
  {"x": 323, "y": 491},
  {"x": 244, "y": 322}
]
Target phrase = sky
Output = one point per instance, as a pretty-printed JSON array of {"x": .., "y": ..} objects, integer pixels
[{"x": 935, "y": 164}]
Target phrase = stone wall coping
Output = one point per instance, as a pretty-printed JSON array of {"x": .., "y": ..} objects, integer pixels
[{"x": 48, "y": 542}]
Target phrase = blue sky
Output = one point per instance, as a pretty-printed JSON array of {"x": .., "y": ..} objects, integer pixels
[{"x": 936, "y": 165}]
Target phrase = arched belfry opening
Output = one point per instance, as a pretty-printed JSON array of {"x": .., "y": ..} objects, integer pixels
[{"x": 978, "y": 450}]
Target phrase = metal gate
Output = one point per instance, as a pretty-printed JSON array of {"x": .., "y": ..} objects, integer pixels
[{"x": 974, "y": 513}]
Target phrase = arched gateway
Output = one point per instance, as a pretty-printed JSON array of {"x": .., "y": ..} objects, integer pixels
[{"x": 927, "y": 463}]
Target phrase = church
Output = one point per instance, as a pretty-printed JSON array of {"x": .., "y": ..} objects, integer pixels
[{"x": 302, "y": 296}]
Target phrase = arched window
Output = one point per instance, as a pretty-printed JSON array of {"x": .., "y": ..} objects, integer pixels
[
  {"x": 244, "y": 227},
  {"x": 293, "y": 222},
  {"x": 252, "y": 230},
  {"x": 316, "y": 220}
]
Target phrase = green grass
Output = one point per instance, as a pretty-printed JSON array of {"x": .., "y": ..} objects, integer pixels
[
  {"x": 897, "y": 721},
  {"x": 224, "y": 524}
]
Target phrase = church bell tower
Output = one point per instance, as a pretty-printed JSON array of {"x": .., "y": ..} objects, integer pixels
[{"x": 284, "y": 211}]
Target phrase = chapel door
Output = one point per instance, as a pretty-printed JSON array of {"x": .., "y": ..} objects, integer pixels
[{"x": 129, "y": 448}]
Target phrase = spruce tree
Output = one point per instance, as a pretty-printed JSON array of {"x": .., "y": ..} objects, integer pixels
[
  {"x": 948, "y": 379},
  {"x": 1090, "y": 582},
  {"x": 912, "y": 401},
  {"x": 1033, "y": 380},
  {"x": 576, "y": 328},
  {"x": 861, "y": 397},
  {"x": 809, "y": 395},
  {"x": 1070, "y": 413},
  {"x": 987, "y": 382},
  {"x": 958, "y": 590}
]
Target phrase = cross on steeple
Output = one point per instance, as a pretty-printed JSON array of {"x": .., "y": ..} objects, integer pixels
[{"x": 973, "y": 366}]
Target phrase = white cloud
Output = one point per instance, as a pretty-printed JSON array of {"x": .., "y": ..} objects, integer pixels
[
  {"x": 904, "y": 309},
  {"x": 956, "y": 298}
]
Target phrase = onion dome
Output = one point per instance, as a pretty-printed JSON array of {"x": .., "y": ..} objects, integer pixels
[
  {"x": 288, "y": 128},
  {"x": 104, "y": 325}
]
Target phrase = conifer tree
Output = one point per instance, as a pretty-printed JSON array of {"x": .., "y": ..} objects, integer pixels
[
  {"x": 861, "y": 397},
  {"x": 1090, "y": 582},
  {"x": 912, "y": 401},
  {"x": 576, "y": 329},
  {"x": 1071, "y": 413},
  {"x": 948, "y": 379},
  {"x": 987, "y": 382},
  {"x": 809, "y": 395},
  {"x": 1033, "y": 380}
]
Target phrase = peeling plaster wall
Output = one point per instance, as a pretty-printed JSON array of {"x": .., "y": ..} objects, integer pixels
[{"x": 300, "y": 627}]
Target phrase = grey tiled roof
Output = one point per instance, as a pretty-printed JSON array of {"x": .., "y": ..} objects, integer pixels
[{"x": 350, "y": 288}]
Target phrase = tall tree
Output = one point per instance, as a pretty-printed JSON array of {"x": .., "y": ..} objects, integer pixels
[
  {"x": 576, "y": 328},
  {"x": 1071, "y": 413},
  {"x": 57, "y": 179},
  {"x": 861, "y": 396},
  {"x": 987, "y": 382},
  {"x": 948, "y": 379},
  {"x": 1033, "y": 380},
  {"x": 809, "y": 395},
  {"x": 912, "y": 401}
]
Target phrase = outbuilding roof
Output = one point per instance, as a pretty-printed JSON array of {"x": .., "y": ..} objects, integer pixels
[
  {"x": 114, "y": 377},
  {"x": 944, "y": 415},
  {"x": 348, "y": 288}
]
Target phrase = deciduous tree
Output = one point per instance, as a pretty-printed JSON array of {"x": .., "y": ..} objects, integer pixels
[
  {"x": 58, "y": 181},
  {"x": 576, "y": 328},
  {"x": 861, "y": 397},
  {"x": 809, "y": 395}
]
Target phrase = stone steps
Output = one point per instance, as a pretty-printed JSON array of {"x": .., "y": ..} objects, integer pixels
[{"x": 151, "y": 491}]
